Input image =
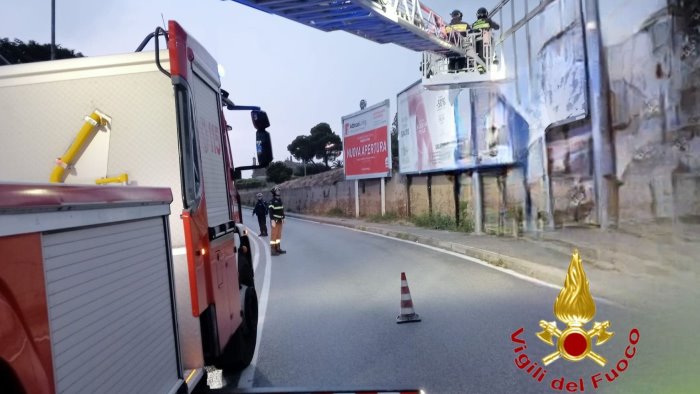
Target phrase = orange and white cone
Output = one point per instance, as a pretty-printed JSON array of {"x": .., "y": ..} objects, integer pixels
[{"x": 407, "y": 313}]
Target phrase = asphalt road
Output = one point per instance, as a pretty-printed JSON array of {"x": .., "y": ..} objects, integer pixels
[{"x": 328, "y": 322}]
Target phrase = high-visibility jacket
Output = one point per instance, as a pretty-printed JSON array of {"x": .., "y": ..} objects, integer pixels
[
  {"x": 485, "y": 24},
  {"x": 276, "y": 208},
  {"x": 461, "y": 27}
]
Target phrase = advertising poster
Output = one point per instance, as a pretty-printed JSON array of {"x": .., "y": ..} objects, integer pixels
[
  {"x": 366, "y": 143},
  {"x": 434, "y": 129}
]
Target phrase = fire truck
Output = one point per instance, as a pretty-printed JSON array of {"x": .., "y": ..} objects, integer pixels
[{"x": 125, "y": 265}]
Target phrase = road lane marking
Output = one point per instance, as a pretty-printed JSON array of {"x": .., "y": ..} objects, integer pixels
[
  {"x": 247, "y": 377},
  {"x": 463, "y": 257}
]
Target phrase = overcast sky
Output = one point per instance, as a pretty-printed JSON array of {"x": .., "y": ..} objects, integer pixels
[{"x": 299, "y": 75}]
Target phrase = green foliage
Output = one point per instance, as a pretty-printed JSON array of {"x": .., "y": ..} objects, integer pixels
[
  {"x": 311, "y": 169},
  {"x": 388, "y": 217},
  {"x": 327, "y": 144},
  {"x": 321, "y": 143},
  {"x": 466, "y": 222},
  {"x": 17, "y": 51},
  {"x": 277, "y": 172},
  {"x": 251, "y": 183},
  {"x": 302, "y": 149},
  {"x": 441, "y": 221},
  {"x": 436, "y": 221}
]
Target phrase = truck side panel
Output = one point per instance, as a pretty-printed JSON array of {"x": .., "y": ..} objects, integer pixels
[
  {"x": 109, "y": 307},
  {"x": 43, "y": 107},
  {"x": 92, "y": 282}
]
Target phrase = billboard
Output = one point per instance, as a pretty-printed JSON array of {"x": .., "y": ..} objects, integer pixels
[
  {"x": 459, "y": 128},
  {"x": 434, "y": 129},
  {"x": 366, "y": 143}
]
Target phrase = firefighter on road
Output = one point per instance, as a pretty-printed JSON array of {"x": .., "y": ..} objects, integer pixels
[
  {"x": 261, "y": 211},
  {"x": 276, "y": 221}
]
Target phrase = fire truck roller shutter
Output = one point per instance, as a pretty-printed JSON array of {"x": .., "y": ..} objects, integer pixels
[{"x": 110, "y": 308}]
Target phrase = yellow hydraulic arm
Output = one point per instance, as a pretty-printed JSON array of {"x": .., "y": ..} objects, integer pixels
[{"x": 92, "y": 122}]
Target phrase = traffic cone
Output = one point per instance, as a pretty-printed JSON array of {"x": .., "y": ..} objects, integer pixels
[{"x": 407, "y": 313}]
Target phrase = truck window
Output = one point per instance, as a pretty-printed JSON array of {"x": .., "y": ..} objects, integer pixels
[{"x": 191, "y": 180}]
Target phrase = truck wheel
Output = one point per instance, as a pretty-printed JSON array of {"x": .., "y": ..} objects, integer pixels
[
  {"x": 241, "y": 348},
  {"x": 245, "y": 271}
]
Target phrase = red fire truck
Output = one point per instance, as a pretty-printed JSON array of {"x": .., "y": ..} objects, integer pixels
[{"x": 125, "y": 266}]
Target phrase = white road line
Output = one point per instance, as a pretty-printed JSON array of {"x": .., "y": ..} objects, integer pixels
[
  {"x": 247, "y": 377},
  {"x": 463, "y": 257}
]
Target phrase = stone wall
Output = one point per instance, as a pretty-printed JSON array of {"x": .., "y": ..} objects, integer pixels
[{"x": 330, "y": 193}]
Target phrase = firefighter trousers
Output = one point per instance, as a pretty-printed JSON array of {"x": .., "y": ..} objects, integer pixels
[{"x": 276, "y": 236}]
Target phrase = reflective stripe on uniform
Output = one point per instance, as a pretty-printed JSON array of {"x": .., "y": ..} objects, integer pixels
[
  {"x": 459, "y": 27},
  {"x": 481, "y": 24}
]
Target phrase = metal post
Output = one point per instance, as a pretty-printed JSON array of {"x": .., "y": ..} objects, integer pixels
[
  {"x": 598, "y": 104},
  {"x": 383, "y": 197},
  {"x": 53, "y": 29},
  {"x": 456, "y": 187},
  {"x": 547, "y": 186},
  {"x": 430, "y": 194},
  {"x": 357, "y": 199},
  {"x": 478, "y": 202}
]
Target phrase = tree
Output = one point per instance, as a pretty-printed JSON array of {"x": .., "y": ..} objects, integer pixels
[
  {"x": 277, "y": 172},
  {"x": 17, "y": 51},
  {"x": 395, "y": 137},
  {"x": 327, "y": 144},
  {"x": 302, "y": 149}
]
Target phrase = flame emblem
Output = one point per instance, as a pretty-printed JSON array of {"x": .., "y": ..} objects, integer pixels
[{"x": 575, "y": 307}]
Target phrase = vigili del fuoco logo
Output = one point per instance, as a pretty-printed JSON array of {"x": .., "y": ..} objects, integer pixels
[{"x": 575, "y": 308}]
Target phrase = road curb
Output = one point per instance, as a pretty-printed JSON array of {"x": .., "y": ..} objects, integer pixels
[{"x": 552, "y": 275}]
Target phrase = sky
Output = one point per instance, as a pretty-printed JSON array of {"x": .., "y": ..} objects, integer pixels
[{"x": 299, "y": 75}]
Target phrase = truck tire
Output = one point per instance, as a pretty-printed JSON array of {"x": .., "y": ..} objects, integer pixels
[
  {"x": 241, "y": 347},
  {"x": 246, "y": 275}
]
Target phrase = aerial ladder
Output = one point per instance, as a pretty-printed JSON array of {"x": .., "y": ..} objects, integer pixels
[{"x": 407, "y": 23}]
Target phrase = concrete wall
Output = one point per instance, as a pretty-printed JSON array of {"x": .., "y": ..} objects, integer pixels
[
  {"x": 329, "y": 192},
  {"x": 655, "y": 87}
]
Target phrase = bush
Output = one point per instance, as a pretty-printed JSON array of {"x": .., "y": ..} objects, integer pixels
[
  {"x": 441, "y": 221},
  {"x": 311, "y": 169},
  {"x": 277, "y": 172},
  {"x": 251, "y": 183}
]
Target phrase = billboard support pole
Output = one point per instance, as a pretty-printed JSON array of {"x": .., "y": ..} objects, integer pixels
[
  {"x": 357, "y": 200},
  {"x": 478, "y": 201},
  {"x": 383, "y": 197},
  {"x": 603, "y": 161}
]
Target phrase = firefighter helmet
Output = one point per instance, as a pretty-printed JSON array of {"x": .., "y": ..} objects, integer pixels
[
  {"x": 275, "y": 190},
  {"x": 456, "y": 14},
  {"x": 259, "y": 195},
  {"x": 482, "y": 13}
]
